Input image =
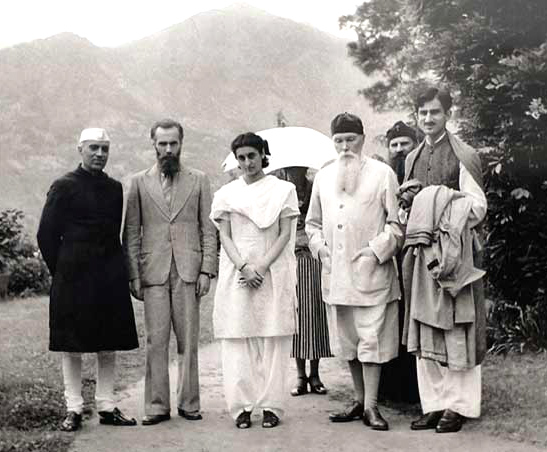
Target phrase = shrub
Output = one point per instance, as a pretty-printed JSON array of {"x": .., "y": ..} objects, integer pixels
[{"x": 20, "y": 256}]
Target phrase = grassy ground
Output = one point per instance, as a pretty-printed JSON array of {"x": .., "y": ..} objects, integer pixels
[
  {"x": 514, "y": 395},
  {"x": 31, "y": 390},
  {"x": 32, "y": 405}
]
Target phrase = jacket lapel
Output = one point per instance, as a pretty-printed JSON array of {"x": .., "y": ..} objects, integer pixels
[
  {"x": 184, "y": 186},
  {"x": 153, "y": 187}
]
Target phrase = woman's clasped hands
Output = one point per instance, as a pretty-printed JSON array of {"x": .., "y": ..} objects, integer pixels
[{"x": 252, "y": 275}]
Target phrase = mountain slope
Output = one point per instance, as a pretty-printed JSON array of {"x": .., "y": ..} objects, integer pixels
[{"x": 220, "y": 72}]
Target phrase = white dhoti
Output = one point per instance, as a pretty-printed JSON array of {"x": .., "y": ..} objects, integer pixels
[
  {"x": 442, "y": 388},
  {"x": 72, "y": 376},
  {"x": 255, "y": 373}
]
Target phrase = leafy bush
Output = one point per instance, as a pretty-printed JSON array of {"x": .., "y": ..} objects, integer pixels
[
  {"x": 20, "y": 257},
  {"x": 492, "y": 55},
  {"x": 10, "y": 232}
]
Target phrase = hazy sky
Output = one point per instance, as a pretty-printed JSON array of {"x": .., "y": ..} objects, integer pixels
[{"x": 115, "y": 22}]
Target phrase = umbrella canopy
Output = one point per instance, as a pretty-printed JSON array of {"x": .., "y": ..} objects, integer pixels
[{"x": 292, "y": 146}]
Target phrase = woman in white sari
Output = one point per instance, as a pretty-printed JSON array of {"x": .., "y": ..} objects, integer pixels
[{"x": 255, "y": 299}]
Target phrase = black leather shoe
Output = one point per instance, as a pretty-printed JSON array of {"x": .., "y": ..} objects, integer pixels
[
  {"x": 450, "y": 422},
  {"x": 153, "y": 419},
  {"x": 427, "y": 421},
  {"x": 190, "y": 415},
  {"x": 72, "y": 422},
  {"x": 373, "y": 419},
  {"x": 115, "y": 417},
  {"x": 351, "y": 413}
]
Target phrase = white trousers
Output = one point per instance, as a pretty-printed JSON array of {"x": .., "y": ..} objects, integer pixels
[
  {"x": 442, "y": 388},
  {"x": 255, "y": 373},
  {"x": 72, "y": 376}
]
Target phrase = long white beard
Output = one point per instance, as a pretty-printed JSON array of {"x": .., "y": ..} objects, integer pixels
[{"x": 348, "y": 172}]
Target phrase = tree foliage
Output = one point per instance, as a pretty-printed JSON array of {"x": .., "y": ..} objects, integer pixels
[{"x": 492, "y": 54}]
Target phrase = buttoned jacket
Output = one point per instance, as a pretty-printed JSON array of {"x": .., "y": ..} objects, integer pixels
[
  {"x": 347, "y": 224},
  {"x": 155, "y": 233}
]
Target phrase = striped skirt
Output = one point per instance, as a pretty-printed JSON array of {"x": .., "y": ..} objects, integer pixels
[{"x": 312, "y": 339}]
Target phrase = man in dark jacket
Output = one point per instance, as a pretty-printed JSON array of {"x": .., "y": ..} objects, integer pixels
[{"x": 90, "y": 305}]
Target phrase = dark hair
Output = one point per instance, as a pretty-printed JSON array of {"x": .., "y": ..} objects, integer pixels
[
  {"x": 254, "y": 141},
  {"x": 428, "y": 94},
  {"x": 166, "y": 124}
]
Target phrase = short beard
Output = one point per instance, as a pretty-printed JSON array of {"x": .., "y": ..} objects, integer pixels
[
  {"x": 169, "y": 164},
  {"x": 348, "y": 173}
]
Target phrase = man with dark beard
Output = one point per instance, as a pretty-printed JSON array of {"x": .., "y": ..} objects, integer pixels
[
  {"x": 401, "y": 139},
  {"x": 171, "y": 250},
  {"x": 399, "y": 382},
  {"x": 353, "y": 229}
]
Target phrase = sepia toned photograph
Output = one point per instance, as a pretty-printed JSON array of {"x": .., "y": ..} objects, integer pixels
[{"x": 273, "y": 226}]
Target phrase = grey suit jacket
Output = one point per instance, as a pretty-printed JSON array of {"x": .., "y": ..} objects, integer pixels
[{"x": 154, "y": 233}]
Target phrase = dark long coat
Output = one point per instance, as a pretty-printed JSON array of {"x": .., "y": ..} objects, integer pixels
[{"x": 90, "y": 306}]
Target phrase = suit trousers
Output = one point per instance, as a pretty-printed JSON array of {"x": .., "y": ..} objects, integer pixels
[{"x": 174, "y": 302}]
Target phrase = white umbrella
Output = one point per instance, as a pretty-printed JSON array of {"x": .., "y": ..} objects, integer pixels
[{"x": 292, "y": 146}]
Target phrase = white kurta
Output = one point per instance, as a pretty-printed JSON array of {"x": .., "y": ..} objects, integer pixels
[
  {"x": 349, "y": 223},
  {"x": 254, "y": 212},
  {"x": 256, "y": 325}
]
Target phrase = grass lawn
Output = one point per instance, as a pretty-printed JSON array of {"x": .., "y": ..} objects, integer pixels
[
  {"x": 31, "y": 393},
  {"x": 31, "y": 390},
  {"x": 514, "y": 398}
]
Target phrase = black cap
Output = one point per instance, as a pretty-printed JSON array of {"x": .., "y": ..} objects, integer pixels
[
  {"x": 400, "y": 129},
  {"x": 346, "y": 123}
]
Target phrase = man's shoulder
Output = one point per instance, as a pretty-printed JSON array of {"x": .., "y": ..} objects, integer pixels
[
  {"x": 412, "y": 154},
  {"x": 66, "y": 180},
  {"x": 139, "y": 174},
  {"x": 378, "y": 165},
  {"x": 194, "y": 172},
  {"x": 113, "y": 182},
  {"x": 326, "y": 171},
  {"x": 458, "y": 144}
]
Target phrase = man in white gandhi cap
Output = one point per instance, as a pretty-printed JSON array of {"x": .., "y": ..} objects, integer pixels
[{"x": 90, "y": 305}]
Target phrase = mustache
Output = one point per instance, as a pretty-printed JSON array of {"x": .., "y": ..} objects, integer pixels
[{"x": 348, "y": 155}]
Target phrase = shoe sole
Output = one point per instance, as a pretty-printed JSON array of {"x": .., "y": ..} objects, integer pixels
[
  {"x": 349, "y": 419},
  {"x": 155, "y": 422},
  {"x": 416, "y": 429},
  {"x": 437, "y": 430},
  {"x": 103, "y": 422}
]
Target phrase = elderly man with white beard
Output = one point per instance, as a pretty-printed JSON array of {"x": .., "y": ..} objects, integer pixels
[{"x": 353, "y": 229}]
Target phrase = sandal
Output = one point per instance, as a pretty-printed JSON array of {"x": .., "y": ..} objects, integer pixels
[
  {"x": 301, "y": 387},
  {"x": 270, "y": 419},
  {"x": 244, "y": 419},
  {"x": 316, "y": 385}
]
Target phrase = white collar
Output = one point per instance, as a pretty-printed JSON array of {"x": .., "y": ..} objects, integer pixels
[{"x": 428, "y": 141}]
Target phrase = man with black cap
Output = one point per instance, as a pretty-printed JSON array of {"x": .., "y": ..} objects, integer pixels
[
  {"x": 401, "y": 139},
  {"x": 399, "y": 382},
  {"x": 353, "y": 229},
  {"x": 90, "y": 307}
]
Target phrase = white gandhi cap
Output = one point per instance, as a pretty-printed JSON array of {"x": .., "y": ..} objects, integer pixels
[{"x": 94, "y": 134}]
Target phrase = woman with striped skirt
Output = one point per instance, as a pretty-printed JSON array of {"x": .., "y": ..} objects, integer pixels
[{"x": 311, "y": 342}]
